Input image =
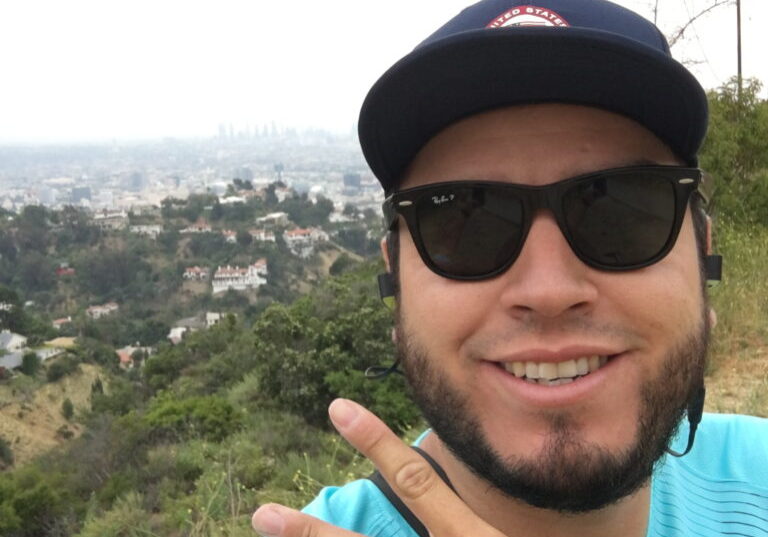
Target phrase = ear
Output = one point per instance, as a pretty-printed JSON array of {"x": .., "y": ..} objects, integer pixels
[{"x": 385, "y": 252}]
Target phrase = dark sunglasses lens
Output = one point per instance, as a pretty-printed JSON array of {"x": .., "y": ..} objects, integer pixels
[
  {"x": 621, "y": 220},
  {"x": 470, "y": 231}
]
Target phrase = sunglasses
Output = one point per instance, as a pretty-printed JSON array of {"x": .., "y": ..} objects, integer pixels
[{"x": 618, "y": 219}]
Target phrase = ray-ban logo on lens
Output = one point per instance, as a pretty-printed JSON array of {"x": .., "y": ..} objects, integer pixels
[
  {"x": 439, "y": 200},
  {"x": 528, "y": 16}
]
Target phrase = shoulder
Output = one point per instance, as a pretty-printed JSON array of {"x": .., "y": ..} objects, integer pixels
[
  {"x": 732, "y": 447},
  {"x": 361, "y": 507},
  {"x": 720, "y": 487}
]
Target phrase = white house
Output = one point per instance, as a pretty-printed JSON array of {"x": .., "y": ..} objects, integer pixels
[
  {"x": 97, "y": 312},
  {"x": 151, "y": 231},
  {"x": 212, "y": 318},
  {"x": 262, "y": 235},
  {"x": 196, "y": 274},
  {"x": 11, "y": 342},
  {"x": 230, "y": 235},
  {"x": 240, "y": 279},
  {"x": 111, "y": 220},
  {"x": 177, "y": 334},
  {"x": 302, "y": 242},
  {"x": 59, "y": 323},
  {"x": 201, "y": 226},
  {"x": 274, "y": 219}
]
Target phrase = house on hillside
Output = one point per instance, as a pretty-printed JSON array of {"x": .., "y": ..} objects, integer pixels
[
  {"x": 201, "y": 226},
  {"x": 151, "y": 231},
  {"x": 111, "y": 220},
  {"x": 126, "y": 355},
  {"x": 59, "y": 323},
  {"x": 273, "y": 219},
  {"x": 64, "y": 270},
  {"x": 302, "y": 242},
  {"x": 97, "y": 312},
  {"x": 196, "y": 274},
  {"x": 262, "y": 235},
  {"x": 10, "y": 342},
  {"x": 11, "y": 361},
  {"x": 240, "y": 279},
  {"x": 230, "y": 235},
  {"x": 212, "y": 318}
]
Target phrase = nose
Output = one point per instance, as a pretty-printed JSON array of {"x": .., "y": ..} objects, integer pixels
[{"x": 547, "y": 280}]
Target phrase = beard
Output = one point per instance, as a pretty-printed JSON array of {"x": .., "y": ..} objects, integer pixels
[{"x": 569, "y": 474}]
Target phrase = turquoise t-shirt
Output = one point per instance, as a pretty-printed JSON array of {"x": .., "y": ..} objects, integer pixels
[{"x": 719, "y": 488}]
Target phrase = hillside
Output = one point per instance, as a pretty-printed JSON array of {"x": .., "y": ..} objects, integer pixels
[{"x": 31, "y": 417}]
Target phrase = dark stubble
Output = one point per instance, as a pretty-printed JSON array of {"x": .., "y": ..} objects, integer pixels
[{"x": 570, "y": 474}]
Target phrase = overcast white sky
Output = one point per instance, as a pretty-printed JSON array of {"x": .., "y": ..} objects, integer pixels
[{"x": 73, "y": 70}]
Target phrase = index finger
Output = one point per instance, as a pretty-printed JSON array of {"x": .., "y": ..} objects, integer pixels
[{"x": 408, "y": 473}]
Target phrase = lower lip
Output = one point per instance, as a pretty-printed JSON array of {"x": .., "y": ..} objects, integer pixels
[{"x": 551, "y": 396}]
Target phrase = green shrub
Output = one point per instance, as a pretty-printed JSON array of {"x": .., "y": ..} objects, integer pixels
[
  {"x": 67, "y": 409},
  {"x": 30, "y": 364},
  {"x": 127, "y": 518},
  {"x": 61, "y": 367},
  {"x": 6, "y": 455},
  {"x": 210, "y": 417}
]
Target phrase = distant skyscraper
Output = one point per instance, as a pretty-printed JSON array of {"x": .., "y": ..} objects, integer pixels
[
  {"x": 352, "y": 180},
  {"x": 80, "y": 193}
]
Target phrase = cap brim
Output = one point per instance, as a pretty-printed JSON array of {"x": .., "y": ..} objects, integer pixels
[{"x": 479, "y": 70}]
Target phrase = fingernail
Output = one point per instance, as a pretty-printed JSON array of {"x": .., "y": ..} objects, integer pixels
[
  {"x": 268, "y": 522},
  {"x": 342, "y": 413}
]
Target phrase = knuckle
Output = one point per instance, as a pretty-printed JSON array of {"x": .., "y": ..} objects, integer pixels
[
  {"x": 415, "y": 479},
  {"x": 309, "y": 529}
]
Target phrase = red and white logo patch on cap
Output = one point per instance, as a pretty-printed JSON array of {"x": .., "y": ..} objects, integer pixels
[{"x": 528, "y": 16}]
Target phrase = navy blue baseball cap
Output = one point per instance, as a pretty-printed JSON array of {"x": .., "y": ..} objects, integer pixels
[{"x": 503, "y": 52}]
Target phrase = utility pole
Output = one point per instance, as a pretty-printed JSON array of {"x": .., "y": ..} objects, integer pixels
[{"x": 738, "y": 45}]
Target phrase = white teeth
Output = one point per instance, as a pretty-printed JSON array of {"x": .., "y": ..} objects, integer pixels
[
  {"x": 555, "y": 374},
  {"x": 548, "y": 370},
  {"x": 567, "y": 369}
]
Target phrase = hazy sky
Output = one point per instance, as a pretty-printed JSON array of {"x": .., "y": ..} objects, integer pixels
[{"x": 102, "y": 69}]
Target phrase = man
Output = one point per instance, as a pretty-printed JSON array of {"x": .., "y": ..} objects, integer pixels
[{"x": 548, "y": 253}]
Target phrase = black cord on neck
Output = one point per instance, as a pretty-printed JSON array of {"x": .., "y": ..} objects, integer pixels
[
  {"x": 377, "y": 372},
  {"x": 695, "y": 411}
]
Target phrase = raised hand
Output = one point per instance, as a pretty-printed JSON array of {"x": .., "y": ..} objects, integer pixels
[{"x": 409, "y": 475}]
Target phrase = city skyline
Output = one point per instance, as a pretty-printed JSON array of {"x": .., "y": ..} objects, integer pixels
[{"x": 86, "y": 71}]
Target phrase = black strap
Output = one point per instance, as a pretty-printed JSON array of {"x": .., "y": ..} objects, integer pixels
[{"x": 398, "y": 504}]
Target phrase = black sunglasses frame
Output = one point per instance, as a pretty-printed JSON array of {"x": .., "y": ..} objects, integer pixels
[{"x": 684, "y": 181}]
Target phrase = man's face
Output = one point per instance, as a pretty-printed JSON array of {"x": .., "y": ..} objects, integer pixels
[{"x": 576, "y": 446}]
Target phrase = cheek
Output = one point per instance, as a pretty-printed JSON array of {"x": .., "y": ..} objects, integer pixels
[
  {"x": 439, "y": 312},
  {"x": 663, "y": 300}
]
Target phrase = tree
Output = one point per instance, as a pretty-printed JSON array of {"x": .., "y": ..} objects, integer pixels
[
  {"x": 67, "y": 409},
  {"x": 735, "y": 152},
  {"x": 11, "y": 314},
  {"x": 6, "y": 456},
  {"x": 244, "y": 238},
  {"x": 30, "y": 364},
  {"x": 317, "y": 349}
]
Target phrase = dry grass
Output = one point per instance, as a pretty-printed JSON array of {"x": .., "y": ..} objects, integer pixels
[
  {"x": 738, "y": 373},
  {"x": 30, "y": 417}
]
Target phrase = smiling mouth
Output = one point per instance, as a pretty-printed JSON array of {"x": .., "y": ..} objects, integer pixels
[{"x": 555, "y": 373}]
